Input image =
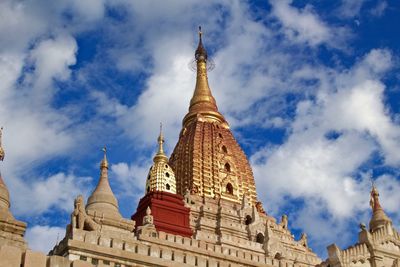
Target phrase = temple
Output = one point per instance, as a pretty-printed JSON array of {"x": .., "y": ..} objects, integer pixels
[{"x": 199, "y": 208}]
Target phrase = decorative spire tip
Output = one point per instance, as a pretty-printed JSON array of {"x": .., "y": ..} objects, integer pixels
[
  {"x": 104, "y": 162},
  {"x": 201, "y": 53}
]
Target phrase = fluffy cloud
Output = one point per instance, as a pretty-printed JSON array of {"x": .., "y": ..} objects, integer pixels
[
  {"x": 379, "y": 9},
  {"x": 131, "y": 179},
  {"x": 53, "y": 193},
  {"x": 52, "y": 59},
  {"x": 350, "y": 8},
  {"x": 36, "y": 51},
  {"x": 331, "y": 138},
  {"x": 305, "y": 26},
  {"x": 44, "y": 238}
]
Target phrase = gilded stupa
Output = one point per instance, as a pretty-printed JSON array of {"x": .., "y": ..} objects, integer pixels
[
  {"x": 161, "y": 177},
  {"x": 207, "y": 159}
]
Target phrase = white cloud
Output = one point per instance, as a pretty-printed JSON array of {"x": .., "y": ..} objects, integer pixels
[
  {"x": 53, "y": 193},
  {"x": 379, "y": 9},
  {"x": 52, "y": 59},
  {"x": 44, "y": 238},
  {"x": 130, "y": 179},
  {"x": 37, "y": 48},
  {"x": 305, "y": 26},
  {"x": 350, "y": 8},
  {"x": 88, "y": 10},
  {"x": 33, "y": 130},
  {"x": 388, "y": 186},
  {"x": 331, "y": 137}
]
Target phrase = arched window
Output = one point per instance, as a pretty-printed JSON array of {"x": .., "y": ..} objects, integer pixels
[
  {"x": 229, "y": 188},
  {"x": 248, "y": 220},
  {"x": 167, "y": 174},
  {"x": 167, "y": 186},
  {"x": 148, "y": 177},
  {"x": 224, "y": 149},
  {"x": 220, "y": 135},
  {"x": 260, "y": 238},
  {"x": 148, "y": 189},
  {"x": 227, "y": 167}
]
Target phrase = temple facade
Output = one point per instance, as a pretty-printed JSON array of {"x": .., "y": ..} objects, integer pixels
[{"x": 199, "y": 208}]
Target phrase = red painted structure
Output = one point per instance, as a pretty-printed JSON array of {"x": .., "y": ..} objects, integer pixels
[{"x": 168, "y": 210}]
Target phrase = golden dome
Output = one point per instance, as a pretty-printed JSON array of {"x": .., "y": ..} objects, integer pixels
[
  {"x": 207, "y": 159},
  {"x": 161, "y": 177}
]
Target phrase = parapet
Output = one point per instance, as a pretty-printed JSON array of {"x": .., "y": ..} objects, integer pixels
[{"x": 14, "y": 257}]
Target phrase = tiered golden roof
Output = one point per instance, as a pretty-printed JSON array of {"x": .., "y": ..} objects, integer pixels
[{"x": 207, "y": 159}]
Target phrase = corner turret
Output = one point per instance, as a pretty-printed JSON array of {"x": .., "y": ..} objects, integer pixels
[
  {"x": 12, "y": 231},
  {"x": 379, "y": 217}
]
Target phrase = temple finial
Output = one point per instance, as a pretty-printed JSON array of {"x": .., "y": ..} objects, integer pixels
[
  {"x": 160, "y": 141},
  {"x": 2, "y": 153},
  {"x": 201, "y": 52},
  {"x": 104, "y": 162},
  {"x": 160, "y": 156},
  {"x": 200, "y": 34},
  {"x": 379, "y": 217},
  {"x": 374, "y": 200}
]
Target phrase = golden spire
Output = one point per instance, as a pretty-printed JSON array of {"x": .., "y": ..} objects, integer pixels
[
  {"x": 102, "y": 200},
  {"x": 160, "y": 156},
  {"x": 202, "y": 102},
  {"x": 379, "y": 217}
]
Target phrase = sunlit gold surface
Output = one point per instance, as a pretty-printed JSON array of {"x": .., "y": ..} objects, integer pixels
[
  {"x": 161, "y": 177},
  {"x": 206, "y": 145}
]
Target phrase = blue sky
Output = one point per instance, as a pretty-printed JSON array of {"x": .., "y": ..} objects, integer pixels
[{"x": 310, "y": 88}]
